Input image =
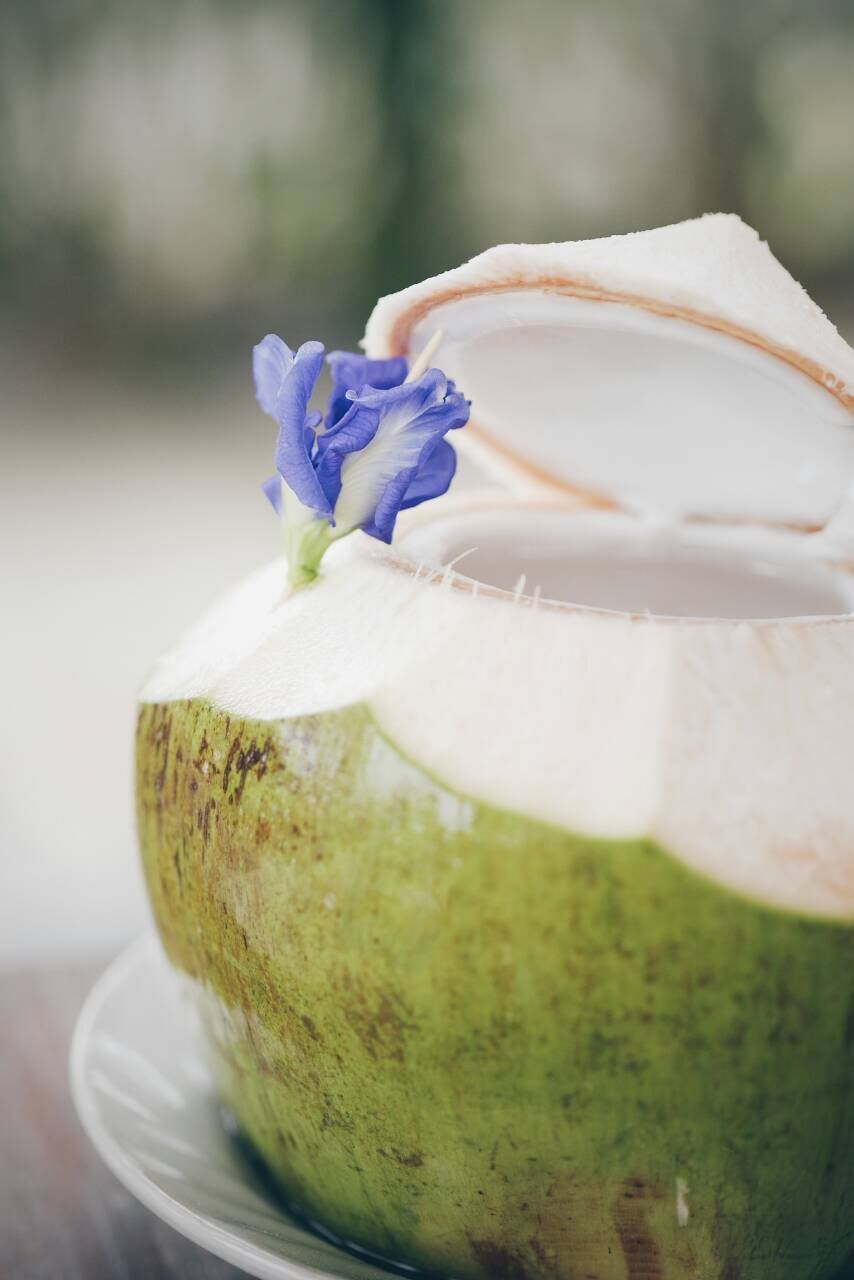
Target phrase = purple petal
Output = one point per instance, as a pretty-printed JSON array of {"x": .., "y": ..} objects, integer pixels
[
  {"x": 272, "y": 490},
  {"x": 412, "y": 420},
  {"x": 428, "y": 478},
  {"x": 409, "y": 399},
  {"x": 272, "y": 360},
  {"x": 352, "y": 372},
  {"x": 295, "y": 441},
  {"x": 433, "y": 477},
  {"x": 352, "y": 433}
]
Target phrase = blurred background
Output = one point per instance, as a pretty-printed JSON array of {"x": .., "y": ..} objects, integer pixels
[{"x": 178, "y": 178}]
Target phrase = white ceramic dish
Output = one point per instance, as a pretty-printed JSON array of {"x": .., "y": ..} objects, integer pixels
[{"x": 145, "y": 1098}]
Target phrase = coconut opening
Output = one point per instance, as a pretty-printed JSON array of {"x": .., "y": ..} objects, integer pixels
[
  {"x": 610, "y": 561},
  {"x": 648, "y": 411}
]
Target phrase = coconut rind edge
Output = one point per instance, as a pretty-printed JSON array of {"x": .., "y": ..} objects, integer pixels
[{"x": 712, "y": 271}]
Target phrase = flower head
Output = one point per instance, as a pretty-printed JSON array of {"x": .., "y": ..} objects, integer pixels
[{"x": 382, "y": 447}]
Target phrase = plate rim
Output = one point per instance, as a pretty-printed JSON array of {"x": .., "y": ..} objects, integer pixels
[{"x": 196, "y": 1227}]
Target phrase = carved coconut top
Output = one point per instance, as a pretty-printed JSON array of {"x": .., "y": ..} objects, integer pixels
[{"x": 681, "y": 371}]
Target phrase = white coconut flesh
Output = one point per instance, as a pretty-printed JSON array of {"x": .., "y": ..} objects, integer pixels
[
  {"x": 678, "y": 371},
  {"x": 619, "y": 673}
]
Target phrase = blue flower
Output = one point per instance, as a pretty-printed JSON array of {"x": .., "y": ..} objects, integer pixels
[
  {"x": 382, "y": 448},
  {"x": 351, "y": 372},
  {"x": 381, "y": 456}
]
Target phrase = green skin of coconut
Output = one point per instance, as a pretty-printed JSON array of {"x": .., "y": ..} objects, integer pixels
[{"x": 484, "y": 1045}]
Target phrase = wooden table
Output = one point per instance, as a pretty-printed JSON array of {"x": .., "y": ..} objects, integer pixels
[{"x": 63, "y": 1216}]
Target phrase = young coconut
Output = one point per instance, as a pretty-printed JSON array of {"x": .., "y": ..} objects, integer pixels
[{"x": 519, "y": 895}]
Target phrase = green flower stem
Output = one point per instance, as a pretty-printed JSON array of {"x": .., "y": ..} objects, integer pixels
[{"x": 307, "y": 542}]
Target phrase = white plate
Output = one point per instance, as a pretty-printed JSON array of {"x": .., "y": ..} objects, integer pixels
[{"x": 145, "y": 1098}]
